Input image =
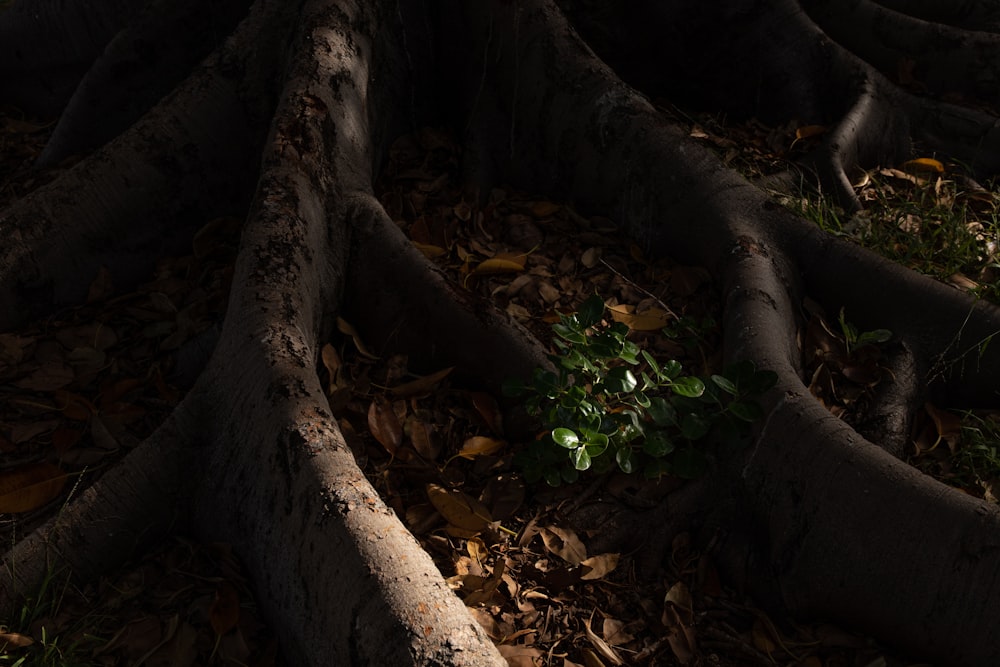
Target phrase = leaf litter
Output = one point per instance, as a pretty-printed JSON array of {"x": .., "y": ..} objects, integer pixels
[
  {"x": 508, "y": 551},
  {"x": 78, "y": 390}
]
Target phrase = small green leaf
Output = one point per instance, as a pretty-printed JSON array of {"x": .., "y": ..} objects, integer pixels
[
  {"x": 568, "y": 333},
  {"x": 590, "y": 311},
  {"x": 657, "y": 444},
  {"x": 694, "y": 426},
  {"x": 565, "y": 437},
  {"x": 642, "y": 399},
  {"x": 620, "y": 380},
  {"x": 662, "y": 412},
  {"x": 725, "y": 384},
  {"x": 594, "y": 439},
  {"x": 552, "y": 477},
  {"x": 570, "y": 474},
  {"x": 651, "y": 361},
  {"x": 513, "y": 387},
  {"x": 748, "y": 411},
  {"x": 580, "y": 458},
  {"x": 874, "y": 337},
  {"x": 689, "y": 386},
  {"x": 626, "y": 459},
  {"x": 629, "y": 353},
  {"x": 670, "y": 370}
]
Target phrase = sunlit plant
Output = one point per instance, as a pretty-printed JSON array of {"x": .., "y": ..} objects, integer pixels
[{"x": 610, "y": 403}]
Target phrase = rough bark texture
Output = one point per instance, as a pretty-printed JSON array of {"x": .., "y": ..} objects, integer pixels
[{"x": 287, "y": 120}]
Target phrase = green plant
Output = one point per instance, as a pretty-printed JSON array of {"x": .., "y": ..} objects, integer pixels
[
  {"x": 977, "y": 459},
  {"x": 26, "y": 635},
  {"x": 609, "y": 402},
  {"x": 855, "y": 339}
]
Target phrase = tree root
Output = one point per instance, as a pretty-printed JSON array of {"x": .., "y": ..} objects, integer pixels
[{"x": 845, "y": 524}]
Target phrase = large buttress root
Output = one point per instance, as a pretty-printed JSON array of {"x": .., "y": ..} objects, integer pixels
[{"x": 845, "y": 527}]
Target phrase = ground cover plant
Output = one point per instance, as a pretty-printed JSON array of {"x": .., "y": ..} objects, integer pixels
[{"x": 172, "y": 117}]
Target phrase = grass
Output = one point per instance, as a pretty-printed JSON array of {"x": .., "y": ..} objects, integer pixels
[
  {"x": 945, "y": 226},
  {"x": 939, "y": 225},
  {"x": 27, "y": 640}
]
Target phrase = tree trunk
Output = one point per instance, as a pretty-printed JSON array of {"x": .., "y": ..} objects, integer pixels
[{"x": 288, "y": 119}]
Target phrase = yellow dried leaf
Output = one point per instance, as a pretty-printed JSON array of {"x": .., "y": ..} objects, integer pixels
[
  {"x": 807, "y": 131},
  {"x": 30, "y": 486},
  {"x": 600, "y": 565},
  {"x": 480, "y": 445},
  {"x": 459, "y": 509},
  {"x": 653, "y": 319},
  {"x": 923, "y": 165},
  {"x": 564, "y": 543},
  {"x": 544, "y": 209},
  {"x": 429, "y": 251},
  {"x": 498, "y": 265}
]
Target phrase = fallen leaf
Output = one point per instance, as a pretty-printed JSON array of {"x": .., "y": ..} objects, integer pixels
[
  {"x": 488, "y": 409},
  {"x": 421, "y": 386},
  {"x": 564, "y": 543},
  {"x": 422, "y": 438},
  {"x": 653, "y": 319},
  {"x": 591, "y": 257},
  {"x": 333, "y": 363},
  {"x": 602, "y": 646},
  {"x": 344, "y": 327},
  {"x": 224, "y": 613},
  {"x": 384, "y": 425},
  {"x": 429, "y": 251},
  {"x": 599, "y": 566},
  {"x": 480, "y": 445},
  {"x": 923, "y": 165},
  {"x": 459, "y": 509},
  {"x": 519, "y": 655},
  {"x": 15, "y": 639},
  {"x": 544, "y": 209},
  {"x": 27, "y": 487},
  {"x": 498, "y": 265},
  {"x": 51, "y": 376},
  {"x": 948, "y": 426},
  {"x": 807, "y": 131},
  {"x": 485, "y": 593}
]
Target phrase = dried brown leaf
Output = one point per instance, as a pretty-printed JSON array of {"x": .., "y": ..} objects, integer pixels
[
  {"x": 564, "y": 543},
  {"x": 384, "y": 425},
  {"x": 224, "y": 613},
  {"x": 653, "y": 319},
  {"x": 602, "y": 647},
  {"x": 422, "y": 438},
  {"x": 421, "y": 386},
  {"x": 30, "y": 486},
  {"x": 459, "y": 509},
  {"x": 599, "y": 566},
  {"x": 15, "y": 639},
  {"x": 480, "y": 445}
]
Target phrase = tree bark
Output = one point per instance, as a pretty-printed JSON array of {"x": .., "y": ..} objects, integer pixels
[{"x": 289, "y": 118}]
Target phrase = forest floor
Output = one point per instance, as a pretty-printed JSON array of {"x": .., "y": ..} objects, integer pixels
[{"x": 84, "y": 386}]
